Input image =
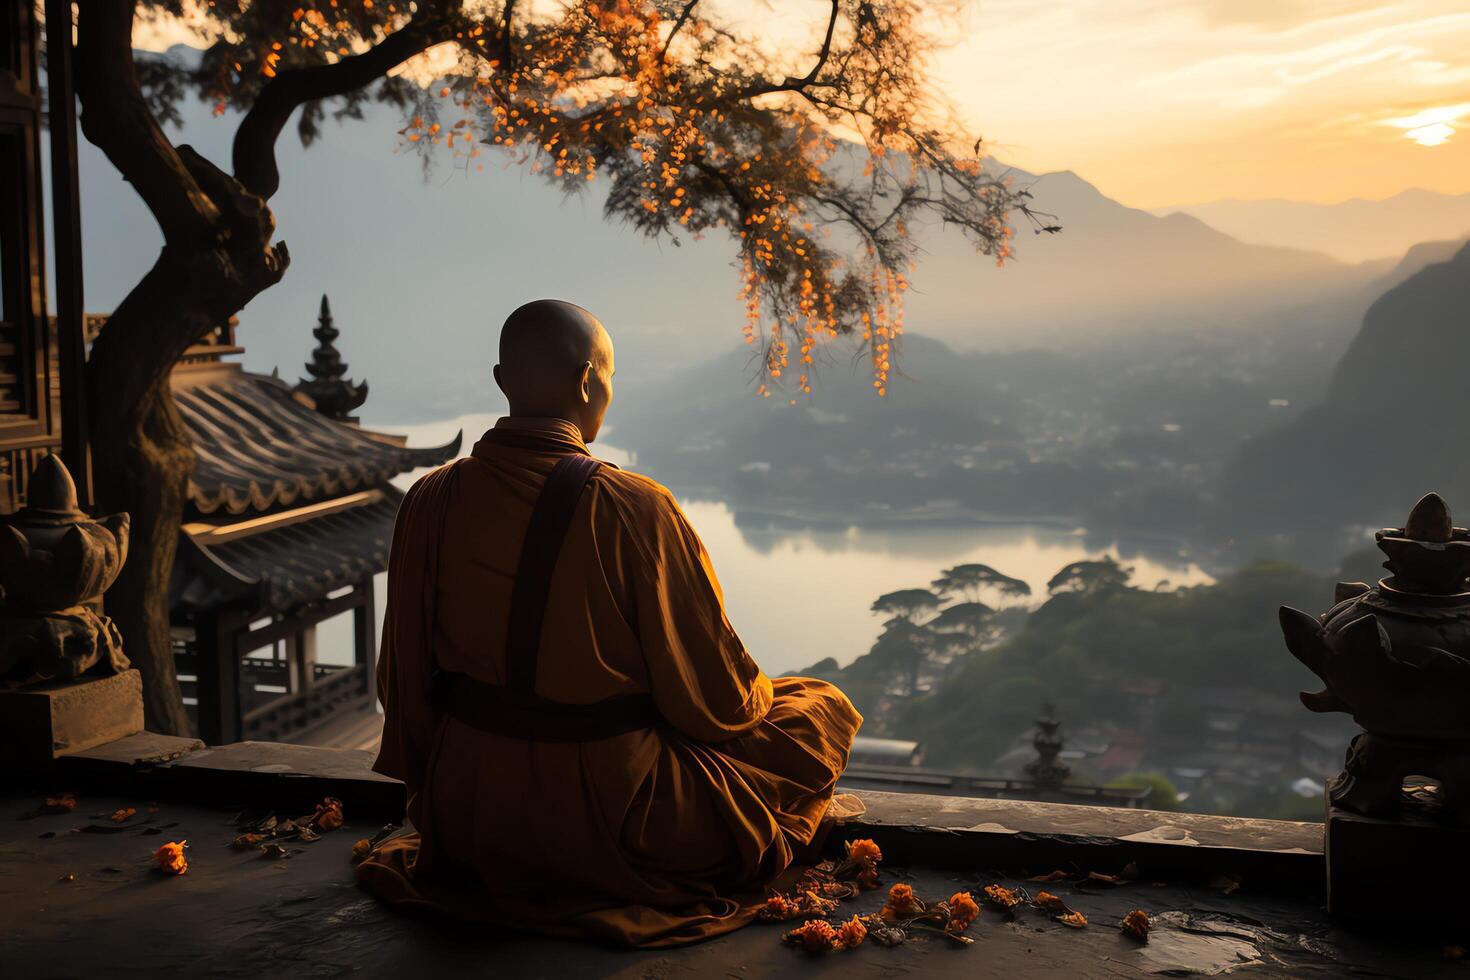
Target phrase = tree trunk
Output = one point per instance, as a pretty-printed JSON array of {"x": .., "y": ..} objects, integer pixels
[
  {"x": 142, "y": 461},
  {"x": 217, "y": 257}
]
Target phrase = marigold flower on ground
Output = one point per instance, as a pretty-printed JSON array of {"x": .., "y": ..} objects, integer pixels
[
  {"x": 815, "y": 936},
  {"x": 1135, "y": 924},
  {"x": 1075, "y": 920},
  {"x": 361, "y": 849},
  {"x": 901, "y": 903},
  {"x": 1002, "y": 896},
  {"x": 170, "y": 858},
  {"x": 1048, "y": 902},
  {"x": 962, "y": 911},
  {"x": 779, "y": 908},
  {"x": 850, "y": 934},
  {"x": 328, "y": 814},
  {"x": 864, "y": 850},
  {"x": 246, "y": 842},
  {"x": 124, "y": 814}
]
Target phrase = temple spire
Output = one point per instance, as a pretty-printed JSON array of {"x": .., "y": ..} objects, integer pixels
[{"x": 333, "y": 394}]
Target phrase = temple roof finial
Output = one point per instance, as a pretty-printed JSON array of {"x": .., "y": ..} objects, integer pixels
[{"x": 330, "y": 390}]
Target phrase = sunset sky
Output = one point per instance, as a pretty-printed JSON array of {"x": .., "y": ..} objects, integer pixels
[
  {"x": 1172, "y": 102},
  {"x": 1163, "y": 102}
]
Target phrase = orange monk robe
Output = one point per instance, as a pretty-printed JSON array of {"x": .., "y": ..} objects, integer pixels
[{"x": 654, "y": 837}]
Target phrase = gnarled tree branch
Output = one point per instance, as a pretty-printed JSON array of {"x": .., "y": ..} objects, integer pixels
[
  {"x": 255, "y": 140},
  {"x": 116, "y": 119}
]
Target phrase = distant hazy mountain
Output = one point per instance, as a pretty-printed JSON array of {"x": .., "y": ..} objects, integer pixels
[
  {"x": 421, "y": 272},
  {"x": 1112, "y": 269},
  {"x": 1395, "y": 422},
  {"x": 1353, "y": 231}
]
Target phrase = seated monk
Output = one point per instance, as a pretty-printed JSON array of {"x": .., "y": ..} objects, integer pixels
[{"x": 588, "y": 748}]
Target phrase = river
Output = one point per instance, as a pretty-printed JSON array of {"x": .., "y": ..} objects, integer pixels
[{"x": 797, "y": 595}]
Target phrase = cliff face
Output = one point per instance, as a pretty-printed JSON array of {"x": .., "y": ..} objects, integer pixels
[
  {"x": 1411, "y": 356},
  {"x": 1395, "y": 422}
]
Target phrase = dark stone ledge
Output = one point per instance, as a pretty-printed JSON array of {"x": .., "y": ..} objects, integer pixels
[
  {"x": 911, "y": 827},
  {"x": 1042, "y": 837}
]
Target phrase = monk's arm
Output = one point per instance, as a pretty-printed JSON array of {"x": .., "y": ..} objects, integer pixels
[{"x": 704, "y": 682}]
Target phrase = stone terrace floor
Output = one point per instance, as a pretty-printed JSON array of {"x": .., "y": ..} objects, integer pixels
[{"x": 239, "y": 914}]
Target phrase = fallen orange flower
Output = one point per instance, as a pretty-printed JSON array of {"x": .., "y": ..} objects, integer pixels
[
  {"x": 852, "y": 933},
  {"x": 779, "y": 908},
  {"x": 864, "y": 850},
  {"x": 1002, "y": 896},
  {"x": 815, "y": 936},
  {"x": 962, "y": 912},
  {"x": 120, "y": 816},
  {"x": 1074, "y": 920},
  {"x": 328, "y": 814},
  {"x": 901, "y": 903},
  {"x": 170, "y": 858},
  {"x": 1135, "y": 924},
  {"x": 1048, "y": 902},
  {"x": 361, "y": 849}
]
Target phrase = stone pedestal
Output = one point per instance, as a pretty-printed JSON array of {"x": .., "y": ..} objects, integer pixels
[
  {"x": 1405, "y": 872},
  {"x": 40, "y": 724}
]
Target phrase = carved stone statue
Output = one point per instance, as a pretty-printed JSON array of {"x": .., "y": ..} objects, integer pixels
[
  {"x": 1394, "y": 656},
  {"x": 55, "y": 563}
]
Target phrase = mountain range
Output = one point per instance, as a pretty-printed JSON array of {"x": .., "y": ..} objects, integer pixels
[
  {"x": 1357, "y": 230},
  {"x": 421, "y": 270}
]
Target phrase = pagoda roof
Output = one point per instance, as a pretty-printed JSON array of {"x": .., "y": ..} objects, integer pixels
[
  {"x": 289, "y": 558},
  {"x": 258, "y": 447}
]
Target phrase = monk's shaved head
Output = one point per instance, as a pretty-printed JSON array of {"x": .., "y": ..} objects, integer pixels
[{"x": 556, "y": 360}]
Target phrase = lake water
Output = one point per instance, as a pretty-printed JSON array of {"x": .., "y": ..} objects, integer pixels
[{"x": 798, "y": 595}]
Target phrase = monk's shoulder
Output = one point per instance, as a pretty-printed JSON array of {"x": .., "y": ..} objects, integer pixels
[
  {"x": 642, "y": 508},
  {"x": 636, "y": 492}
]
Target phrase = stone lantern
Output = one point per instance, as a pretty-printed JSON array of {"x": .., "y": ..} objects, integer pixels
[
  {"x": 1396, "y": 656},
  {"x": 64, "y": 680}
]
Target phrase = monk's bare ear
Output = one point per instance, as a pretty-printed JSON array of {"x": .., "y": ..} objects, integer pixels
[
  {"x": 498, "y": 383},
  {"x": 587, "y": 381}
]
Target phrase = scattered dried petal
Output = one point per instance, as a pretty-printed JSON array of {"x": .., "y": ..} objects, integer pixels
[
  {"x": 1135, "y": 925},
  {"x": 123, "y": 815},
  {"x": 60, "y": 803},
  {"x": 170, "y": 858},
  {"x": 274, "y": 851},
  {"x": 1001, "y": 896},
  {"x": 361, "y": 849},
  {"x": 1075, "y": 920},
  {"x": 815, "y": 936},
  {"x": 246, "y": 842},
  {"x": 328, "y": 814},
  {"x": 1049, "y": 878}
]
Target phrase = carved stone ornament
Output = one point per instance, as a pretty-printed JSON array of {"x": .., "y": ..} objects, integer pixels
[
  {"x": 1396, "y": 656},
  {"x": 55, "y": 563}
]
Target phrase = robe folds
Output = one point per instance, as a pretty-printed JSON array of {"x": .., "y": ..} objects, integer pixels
[{"x": 654, "y": 837}]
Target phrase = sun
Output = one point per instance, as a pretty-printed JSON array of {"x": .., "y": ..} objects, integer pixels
[
  {"x": 1431, "y": 127},
  {"x": 1435, "y": 134}
]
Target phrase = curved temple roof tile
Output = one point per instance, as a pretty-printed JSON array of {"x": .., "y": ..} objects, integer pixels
[{"x": 259, "y": 448}]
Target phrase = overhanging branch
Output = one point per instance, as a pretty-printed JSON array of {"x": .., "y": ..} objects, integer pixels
[
  {"x": 117, "y": 120},
  {"x": 255, "y": 140}
]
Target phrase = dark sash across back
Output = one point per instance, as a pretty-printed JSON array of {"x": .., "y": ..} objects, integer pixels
[{"x": 514, "y": 709}]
